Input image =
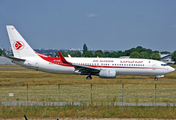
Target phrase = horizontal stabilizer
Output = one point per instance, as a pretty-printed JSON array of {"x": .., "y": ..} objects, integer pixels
[{"x": 14, "y": 58}]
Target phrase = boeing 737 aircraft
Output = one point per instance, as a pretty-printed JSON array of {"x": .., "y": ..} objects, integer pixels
[{"x": 25, "y": 56}]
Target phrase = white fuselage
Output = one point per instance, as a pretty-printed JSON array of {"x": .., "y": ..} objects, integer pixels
[{"x": 121, "y": 66}]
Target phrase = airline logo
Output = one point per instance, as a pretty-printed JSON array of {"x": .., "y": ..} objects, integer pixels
[{"x": 18, "y": 45}]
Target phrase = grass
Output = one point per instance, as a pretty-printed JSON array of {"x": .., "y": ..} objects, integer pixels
[
  {"x": 82, "y": 92},
  {"x": 37, "y": 77},
  {"x": 87, "y": 112},
  {"x": 75, "y": 88}
]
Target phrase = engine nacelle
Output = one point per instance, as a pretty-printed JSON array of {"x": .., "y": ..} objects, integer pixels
[{"x": 107, "y": 73}]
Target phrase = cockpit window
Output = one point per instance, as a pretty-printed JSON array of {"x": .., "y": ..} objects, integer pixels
[{"x": 163, "y": 64}]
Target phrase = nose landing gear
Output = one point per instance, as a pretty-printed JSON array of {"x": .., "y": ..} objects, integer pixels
[{"x": 156, "y": 79}]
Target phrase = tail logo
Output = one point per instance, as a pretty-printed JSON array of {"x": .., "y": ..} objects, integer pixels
[{"x": 18, "y": 45}]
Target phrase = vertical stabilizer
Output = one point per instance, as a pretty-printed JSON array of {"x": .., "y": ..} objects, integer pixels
[{"x": 19, "y": 46}]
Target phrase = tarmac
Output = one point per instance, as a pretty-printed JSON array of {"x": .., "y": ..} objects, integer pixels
[{"x": 79, "y": 104}]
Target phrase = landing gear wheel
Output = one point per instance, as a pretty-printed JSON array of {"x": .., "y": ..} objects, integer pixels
[
  {"x": 156, "y": 79},
  {"x": 89, "y": 77}
]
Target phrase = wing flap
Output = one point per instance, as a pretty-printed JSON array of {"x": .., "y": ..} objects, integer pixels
[{"x": 86, "y": 68}]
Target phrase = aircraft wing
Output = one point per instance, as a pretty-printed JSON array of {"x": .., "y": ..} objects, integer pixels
[
  {"x": 80, "y": 68},
  {"x": 14, "y": 58},
  {"x": 86, "y": 69}
]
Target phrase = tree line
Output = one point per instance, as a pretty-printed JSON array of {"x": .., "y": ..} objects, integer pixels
[
  {"x": 2, "y": 52},
  {"x": 138, "y": 52}
]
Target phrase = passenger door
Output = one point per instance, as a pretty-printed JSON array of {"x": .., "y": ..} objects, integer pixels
[{"x": 154, "y": 66}]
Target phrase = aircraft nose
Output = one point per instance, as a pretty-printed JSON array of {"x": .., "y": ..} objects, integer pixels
[{"x": 171, "y": 69}]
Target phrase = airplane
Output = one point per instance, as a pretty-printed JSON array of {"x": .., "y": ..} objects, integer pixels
[{"x": 25, "y": 56}]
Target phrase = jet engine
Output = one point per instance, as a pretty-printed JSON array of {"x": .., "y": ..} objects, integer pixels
[{"x": 107, "y": 73}]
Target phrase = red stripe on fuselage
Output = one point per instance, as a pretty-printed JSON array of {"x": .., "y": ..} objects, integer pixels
[{"x": 54, "y": 60}]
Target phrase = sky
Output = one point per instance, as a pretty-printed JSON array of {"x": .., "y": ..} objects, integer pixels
[{"x": 100, "y": 24}]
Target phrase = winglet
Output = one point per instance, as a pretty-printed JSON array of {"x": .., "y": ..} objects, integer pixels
[{"x": 62, "y": 58}]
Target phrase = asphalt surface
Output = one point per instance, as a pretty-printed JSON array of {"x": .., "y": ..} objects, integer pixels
[
  {"x": 78, "y": 103},
  {"x": 14, "y": 69}
]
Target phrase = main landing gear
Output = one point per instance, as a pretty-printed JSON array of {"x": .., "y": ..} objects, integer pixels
[{"x": 89, "y": 77}]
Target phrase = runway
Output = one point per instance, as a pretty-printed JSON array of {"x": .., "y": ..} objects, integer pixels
[
  {"x": 83, "y": 103},
  {"x": 15, "y": 69}
]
